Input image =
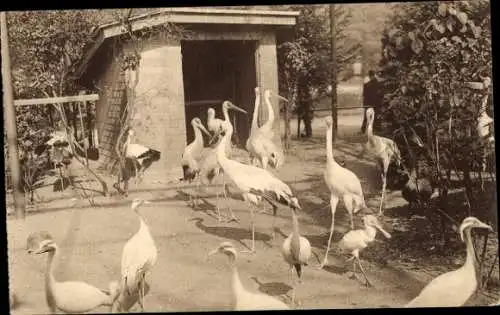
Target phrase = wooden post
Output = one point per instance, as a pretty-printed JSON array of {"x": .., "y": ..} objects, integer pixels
[
  {"x": 334, "y": 71},
  {"x": 10, "y": 121}
]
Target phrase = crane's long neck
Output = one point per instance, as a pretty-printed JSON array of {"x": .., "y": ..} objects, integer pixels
[
  {"x": 255, "y": 115},
  {"x": 225, "y": 112},
  {"x": 369, "y": 127},
  {"x": 50, "y": 281},
  {"x": 371, "y": 232},
  {"x": 329, "y": 147},
  {"x": 470, "y": 260},
  {"x": 295, "y": 241},
  {"x": 198, "y": 137},
  {"x": 236, "y": 284},
  {"x": 270, "y": 113},
  {"x": 222, "y": 147}
]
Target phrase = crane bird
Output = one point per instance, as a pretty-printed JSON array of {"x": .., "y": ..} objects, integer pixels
[
  {"x": 254, "y": 129},
  {"x": 296, "y": 251},
  {"x": 342, "y": 183},
  {"x": 454, "y": 288},
  {"x": 260, "y": 144},
  {"x": 192, "y": 154},
  {"x": 68, "y": 296},
  {"x": 145, "y": 156},
  {"x": 355, "y": 241},
  {"x": 253, "y": 182},
  {"x": 138, "y": 257},
  {"x": 242, "y": 299},
  {"x": 383, "y": 149},
  {"x": 137, "y": 159},
  {"x": 214, "y": 124}
]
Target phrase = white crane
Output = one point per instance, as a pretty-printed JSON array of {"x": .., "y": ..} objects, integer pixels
[
  {"x": 355, "y": 241},
  {"x": 296, "y": 251},
  {"x": 253, "y": 182},
  {"x": 260, "y": 143},
  {"x": 383, "y": 149},
  {"x": 74, "y": 297},
  {"x": 138, "y": 257},
  {"x": 454, "y": 288},
  {"x": 242, "y": 299},
  {"x": 192, "y": 155},
  {"x": 254, "y": 130},
  {"x": 145, "y": 156},
  {"x": 214, "y": 124},
  {"x": 342, "y": 183}
]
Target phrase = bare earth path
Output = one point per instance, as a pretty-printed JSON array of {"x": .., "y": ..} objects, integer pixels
[{"x": 92, "y": 238}]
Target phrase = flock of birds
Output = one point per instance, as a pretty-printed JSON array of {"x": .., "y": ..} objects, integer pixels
[{"x": 258, "y": 186}]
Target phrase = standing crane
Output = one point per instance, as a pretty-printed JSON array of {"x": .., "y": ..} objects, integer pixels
[
  {"x": 342, "y": 183},
  {"x": 74, "y": 297},
  {"x": 383, "y": 149},
  {"x": 192, "y": 154},
  {"x": 296, "y": 251},
  {"x": 214, "y": 124},
  {"x": 242, "y": 299},
  {"x": 253, "y": 182},
  {"x": 138, "y": 258},
  {"x": 454, "y": 288},
  {"x": 254, "y": 130},
  {"x": 355, "y": 241},
  {"x": 260, "y": 143}
]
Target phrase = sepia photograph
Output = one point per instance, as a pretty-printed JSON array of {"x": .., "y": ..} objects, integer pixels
[{"x": 260, "y": 157}]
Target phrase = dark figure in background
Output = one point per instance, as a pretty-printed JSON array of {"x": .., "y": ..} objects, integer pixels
[
  {"x": 372, "y": 97},
  {"x": 304, "y": 108}
]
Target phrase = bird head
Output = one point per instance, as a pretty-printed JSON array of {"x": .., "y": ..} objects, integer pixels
[
  {"x": 371, "y": 220},
  {"x": 294, "y": 204},
  {"x": 138, "y": 202},
  {"x": 196, "y": 123},
  {"x": 257, "y": 90},
  {"x": 328, "y": 121},
  {"x": 229, "y": 105},
  {"x": 40, "y": 242},
  {"x": 471, "y": 223},
  {"x": 370, "y": 114},
  {"x": 226, "y": 248},
  {"x": 211, "y": 113},
  {"x": 268, "y": 93}
]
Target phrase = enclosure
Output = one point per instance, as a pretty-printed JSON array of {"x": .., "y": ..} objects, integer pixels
[{"x": 225, "y": 55}]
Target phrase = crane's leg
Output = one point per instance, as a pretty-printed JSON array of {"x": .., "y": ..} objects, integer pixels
[
  {"x": 385, "y": 167},
  {"x": 142, "y": 292},
  {"x": 219, "y": 217},
  {"x": 349, "y": 205},
  {"x": 333, "y": 206},
  {"x": 273, "y": 233},
  {"x": 252, "y": 250},
  {"x": 368, "y": 283},
  {"x": 233, "y": 217}
]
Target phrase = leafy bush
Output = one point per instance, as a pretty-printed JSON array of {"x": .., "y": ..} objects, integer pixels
[{"x": 431, "y": 53}]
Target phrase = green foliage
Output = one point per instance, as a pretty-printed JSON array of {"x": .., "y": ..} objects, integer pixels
[{"x": 430, "y": 51}]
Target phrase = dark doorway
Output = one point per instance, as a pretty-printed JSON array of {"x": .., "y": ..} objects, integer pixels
[{"x": 215, "y": 71}]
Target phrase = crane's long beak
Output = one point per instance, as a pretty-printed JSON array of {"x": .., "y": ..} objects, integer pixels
[
  {"x": 147, "y": 202},
  {"x": 280, "y": 97},
  {"x": 386, "y": 234},
  {"x": 202, "y": 128},
  {"x": 482, "y": 225},
  {"x": 213, "y": 252},
  {"x": 232, "y": 106}
]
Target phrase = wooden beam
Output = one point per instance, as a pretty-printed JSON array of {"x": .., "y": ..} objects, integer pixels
[{"x": 55, "y": 100}]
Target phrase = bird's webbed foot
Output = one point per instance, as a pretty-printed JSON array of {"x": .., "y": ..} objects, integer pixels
[{"x": 249, "y": 251}]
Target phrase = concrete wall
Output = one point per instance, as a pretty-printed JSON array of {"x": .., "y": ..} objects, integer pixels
[
  {"x": 267, "y": 77},
  {"x": 158, "y": 118}
]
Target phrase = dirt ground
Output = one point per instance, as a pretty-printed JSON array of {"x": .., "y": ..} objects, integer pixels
[{"x": 91, "y": 239}]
